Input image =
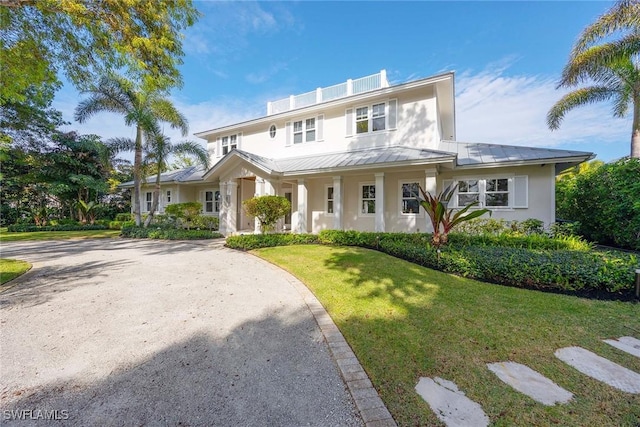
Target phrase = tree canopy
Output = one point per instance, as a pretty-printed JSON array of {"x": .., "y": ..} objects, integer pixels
[{"x": 85, "y": 39}]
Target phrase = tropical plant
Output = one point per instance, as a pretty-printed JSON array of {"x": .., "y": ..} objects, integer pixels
[
  {"x": 611, "y": 67},
  {"x": 444, "y": 219},
  {"x": 142, "y": 106},
  {"x": 184, "y": 212},
  {"x": 159, "y": 148},
  {"x": 268, "y": 209},
  {"x": 87, "y": 211}
]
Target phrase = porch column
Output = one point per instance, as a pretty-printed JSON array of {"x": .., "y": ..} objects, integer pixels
[
  {"x": 300, "y": 225},
  {"x": 430, "y": 186},
  {"x": 380, "y": 202},
  {"x": 337, "y": 203},
  {"x": 230, "y": 198},
  {"x": 259, "y": 191}
]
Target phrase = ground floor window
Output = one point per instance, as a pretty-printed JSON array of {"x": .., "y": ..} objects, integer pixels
[
  {"x": 209, "y": 201},
  {"x": 329, "y": 200},
  {"x": 168, "y": 196},
  {"x": 410, "y": 193},
  {"x": 217, "y": 204},
  {"x": 368, "y": 199},
  {"x": 491, "y": 192},
  {"x": 149, "y": 200}
]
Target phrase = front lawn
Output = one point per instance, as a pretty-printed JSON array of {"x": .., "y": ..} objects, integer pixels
[
  {"x": 12, "y": 268},
  {"x": 6, "y": 236},
  {"x": 405, "y": 321}
]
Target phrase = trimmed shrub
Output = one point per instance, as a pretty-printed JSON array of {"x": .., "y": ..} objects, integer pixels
[
  {"x": 167, "y": 233},
  {"x": 122, "y": 217},
  {"x": 249, "y": 242},
  {"x": 23, "y": 228}
]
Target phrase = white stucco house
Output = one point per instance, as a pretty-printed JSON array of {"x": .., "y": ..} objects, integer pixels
[{"x": 351, "y": 156}]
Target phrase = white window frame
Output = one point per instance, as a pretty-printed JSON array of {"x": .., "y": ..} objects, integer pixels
[
  {"x": 206, "y": 203},
  {"x": 508, "y": 193},
  {"x": 168, "y": 195},
  {"x": 401, "y": 198},
  {"x": 233, "y": 142},
  {"x": 217, "y": 197},
  {"x": 361, "y": 199},
  {"x": 329, "y": 200},
  {"x": 273, "y": 128},
  {"x": 482, "y": 191},
  {"x": 370, "y": 116},
  {"x": 478, "y": 193},
  {"x": 225, "y": 145},
  {"x": 148, "y": 198},
  {"x": 304, "y": 130}
]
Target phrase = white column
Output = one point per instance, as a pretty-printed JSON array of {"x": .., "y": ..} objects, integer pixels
[
  {"x": 337, "y": 203},
  {"x": 300, "y": 219},
  {"x": 430, "y": 186},
  {"x": 224, "y": 209},
  {"x": 259, "y": 191},
  {"x": 380, "y": 202},
  {"x": 231, "y": 196}
]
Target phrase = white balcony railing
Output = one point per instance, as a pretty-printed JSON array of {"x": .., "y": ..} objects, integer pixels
[{"x": 350, "y": 87}]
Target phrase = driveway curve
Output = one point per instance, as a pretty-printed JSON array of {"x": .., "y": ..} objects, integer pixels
[{"x": 133, "y": 332}]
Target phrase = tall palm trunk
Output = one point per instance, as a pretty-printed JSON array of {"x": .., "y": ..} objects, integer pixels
[{"x": 137, "y": 176}]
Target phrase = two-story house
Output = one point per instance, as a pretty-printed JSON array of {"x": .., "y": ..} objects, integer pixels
[{"x": 351, "y": 156}]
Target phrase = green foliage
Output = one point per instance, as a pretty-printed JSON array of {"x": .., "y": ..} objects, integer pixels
[
  {"x": 268, "y": 210},
  {"x": 249, "y": 242},
  {"x": 444, "y": 219},
  {"x": 22, "y": 228},
  {"x": 184, "y": 213},
  {"x": 534, "y": 261},
  {"x": 83, "y": 39},
  {"x": 604, "y": 200},
  {"x": 124, "y": 217},
  {"x": 206, "y": 221},
  {"x": 167, "y": 233}
]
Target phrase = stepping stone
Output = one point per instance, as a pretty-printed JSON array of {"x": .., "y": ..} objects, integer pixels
[
  {"x": 600, "y": 368},
  {"x": 628, "y": 344},
  {"x": 533, "y": 384},
  {"x": 450, "y": 405}
]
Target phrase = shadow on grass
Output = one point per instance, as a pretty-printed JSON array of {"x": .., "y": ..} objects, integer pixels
[{"x": 274, "y": 370}]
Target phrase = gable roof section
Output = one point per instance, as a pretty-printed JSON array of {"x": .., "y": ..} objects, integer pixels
[
  {"x": 485, "y": 155},
  {"x": 334, "y": 162},
  {"x": 190, "y": 174}
]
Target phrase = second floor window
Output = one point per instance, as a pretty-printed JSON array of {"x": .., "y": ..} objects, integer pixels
[
  {"x": 229, "y": 143},
  {"x": 304, "y": 131},
  {"x": 371, "y": 119}
]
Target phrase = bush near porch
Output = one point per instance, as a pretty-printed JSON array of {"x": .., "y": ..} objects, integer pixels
[{"x": 534, "y": 261}]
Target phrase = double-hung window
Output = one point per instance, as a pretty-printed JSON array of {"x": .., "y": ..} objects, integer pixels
[
  {"x": 410, "y": 194},
  {"x": 217, "y": 201},
  {"x": 233, "y": 142},
  {"x": 168, "y": 196},
  {"x": 228, "y": 143},
  {"x": 368, "y": 199},
  {"x": 496, "y": 192},
  {"x": 225, "y": 145},
  {"x": 209, "y": 201},
  {"x": 468, "y": 192},
  {"x": 149, "y": 200},
  {"x": 371, "y": 119},
  {"x": 329, "y": 200},
  {"x": 304, "y": 131}
]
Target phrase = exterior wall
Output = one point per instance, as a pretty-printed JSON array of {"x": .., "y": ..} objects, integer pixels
[{"x": 417, "y": 126}]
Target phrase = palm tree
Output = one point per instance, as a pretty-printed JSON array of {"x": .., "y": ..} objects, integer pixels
[
  {"x": 159, "y": 148},
  {"x": 611, "y": 68},
  {"x": 143, "y": 107}
]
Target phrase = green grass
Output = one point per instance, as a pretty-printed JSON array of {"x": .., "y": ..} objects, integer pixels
[
  {"x": 12, "y": 268},
  {"x": 404, "y": 321},
  {"x": 5, "y": 236}
]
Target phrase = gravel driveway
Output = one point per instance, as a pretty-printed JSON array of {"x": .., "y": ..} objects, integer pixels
[{"x": 126, "y": 332}]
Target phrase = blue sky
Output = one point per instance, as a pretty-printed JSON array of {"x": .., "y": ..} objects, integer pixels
[{"x": 507, "y": 56}]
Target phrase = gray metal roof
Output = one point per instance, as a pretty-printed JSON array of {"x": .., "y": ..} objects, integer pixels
[
  {"x": 346, "y": 160},
  {"x": 192, "y": 173},
  {"x": 477, "y": 154}
]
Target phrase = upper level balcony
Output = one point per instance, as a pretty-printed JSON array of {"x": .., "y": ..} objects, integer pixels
[{"x": 350, "y": 87}]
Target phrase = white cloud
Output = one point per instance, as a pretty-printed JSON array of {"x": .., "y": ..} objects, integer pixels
[{"x": 494, "y": 107}]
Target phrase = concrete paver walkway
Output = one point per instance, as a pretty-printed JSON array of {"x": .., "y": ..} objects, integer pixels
[{"x": 118, "y": 332}]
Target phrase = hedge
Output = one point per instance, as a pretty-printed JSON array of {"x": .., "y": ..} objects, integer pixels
[
  {"x": 23, "y": 228},
  {"x": 167, "y": 233},
  {"x": 529, "y": 262}
]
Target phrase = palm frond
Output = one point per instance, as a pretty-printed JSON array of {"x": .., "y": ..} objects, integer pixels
[
  {"x": 576, "y": 98},
  {"x": 624, "y": 15},
  {"x": 194, "y": 149}
]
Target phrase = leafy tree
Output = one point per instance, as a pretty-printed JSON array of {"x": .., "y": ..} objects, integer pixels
[
  {"x": 183, "y": 161},
  {"x": 185, "y": 212},
  {"x": 566, "y": 182},
  {"x": 142, "y": 106},
  {"x": 604, "y": 200},
  {"x": 443, "y": 217},
  {"x": 87, "y": 38},
  {"x": 609, "y": 64},
  {"x": 268, "y": 210}
]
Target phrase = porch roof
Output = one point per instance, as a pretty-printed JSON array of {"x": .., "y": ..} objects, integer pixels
[
  {"x": 346, "y": 160},
  {"x": 192, "y": 173}
]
